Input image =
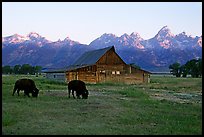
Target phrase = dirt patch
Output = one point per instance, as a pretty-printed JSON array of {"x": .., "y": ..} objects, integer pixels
[
  {"x": 161, "y": 94},
  {"x": 59, "y": 93},
  {"x": 64, "y": 93}
]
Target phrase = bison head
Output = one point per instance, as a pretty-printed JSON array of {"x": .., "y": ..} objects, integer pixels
[
  {"x": 85, "y": 95},
  {"x": 35, "y": 92}
]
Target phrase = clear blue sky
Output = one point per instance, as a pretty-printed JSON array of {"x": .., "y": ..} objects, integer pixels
[{"x": 86, "y": 21}]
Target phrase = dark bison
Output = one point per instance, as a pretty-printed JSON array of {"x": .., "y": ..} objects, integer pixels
[
  {"x": 27, "y": 85},
  {"x": 80, "y": 88}
]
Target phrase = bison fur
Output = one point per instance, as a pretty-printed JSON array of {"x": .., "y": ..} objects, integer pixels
[
  {"x": 28, "y": 85},
  {"x": 80, "y": 88}
]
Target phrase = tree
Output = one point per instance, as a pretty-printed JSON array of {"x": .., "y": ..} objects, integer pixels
[
  {"x": 184, "y": 70},
  {"x": 26, "y": 69},
  {"x": 194, "y": 67},
  {"x": 200, "y": 66},
  {"x": 38, "y": 69},
  {"x": 7, "y": 69},
  {"x": 16, "y": 69},
  {"x": 175, "y": 69}
]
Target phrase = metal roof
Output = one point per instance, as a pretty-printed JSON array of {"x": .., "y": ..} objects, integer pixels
[
  {"x": 54, "y": 70},
  {"x": 91, "y": 57}
]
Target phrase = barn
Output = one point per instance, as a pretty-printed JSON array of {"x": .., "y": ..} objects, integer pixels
[{"x": 105, "y": 65}]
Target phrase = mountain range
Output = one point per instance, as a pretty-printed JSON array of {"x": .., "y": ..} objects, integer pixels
[{"x": 154, "y": 54}]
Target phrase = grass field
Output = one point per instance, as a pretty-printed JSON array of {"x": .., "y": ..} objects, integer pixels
[{"x": 166, "y": 106}]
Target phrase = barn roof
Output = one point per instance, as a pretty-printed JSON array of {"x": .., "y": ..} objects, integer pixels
[
  {"x": 53, "y": 70},
  {"x": 87, "y": 59},
  {"x": 91, "y": 57}
]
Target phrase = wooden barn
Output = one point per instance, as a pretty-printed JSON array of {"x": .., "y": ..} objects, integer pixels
[{"x": 105, "y": 65}]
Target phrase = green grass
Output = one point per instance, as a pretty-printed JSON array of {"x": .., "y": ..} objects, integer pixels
[{"x": 166, "y": 106}]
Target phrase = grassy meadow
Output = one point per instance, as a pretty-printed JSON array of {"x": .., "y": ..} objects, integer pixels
[{"x": 166, "y": 106}]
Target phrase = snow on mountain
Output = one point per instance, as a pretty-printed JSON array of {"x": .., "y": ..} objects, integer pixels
[
  {"x": 16, "y": 38},
  {"x": 155, "y": 53},
  {"x": 136, "y": 35},
  {"x": 67, "y": 40},
  {"x": 123, "y": 41},
  {"x": 164, "y": 33},
  {"x": 34, "y": 35},
  {"x": 160, "y": 51},
  {"x": 199, "y": 42}
]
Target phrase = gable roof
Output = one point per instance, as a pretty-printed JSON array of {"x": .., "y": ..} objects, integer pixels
[
  {"x": 91, "y": 57},
  {"x": 132, "y": 65}
]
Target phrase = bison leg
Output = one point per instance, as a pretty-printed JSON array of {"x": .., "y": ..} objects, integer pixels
[
  {"x": 69, "y": 91},
  {"x": 78, "y": 96},
  {"x": 18, "y": 91},
  {"x": 26, "y": 93},
  {"x": 73, "y": 94},
  {"x": 14, "y": 90}
]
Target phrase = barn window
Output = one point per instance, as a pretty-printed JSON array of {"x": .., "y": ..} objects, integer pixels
[
  {"x": 102, "y": 71},
  {"x": 117, "y": 72},
  {"x": 113, "y": 72}
]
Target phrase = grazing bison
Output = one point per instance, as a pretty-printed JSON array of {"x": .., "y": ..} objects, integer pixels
[
  {"x": 27, "y": 85},
  {"x": 79, "y": 87}
]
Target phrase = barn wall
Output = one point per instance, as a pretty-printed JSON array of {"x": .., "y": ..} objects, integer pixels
[
  {"x": 124, "y": 78},
  {"x": 70, "y": 75},
  {"x": 56, "y": 76},
  {"x": 107, "y": 73},
  {"x": 86, "y": 74},
  {"x": 88, "y": 77},
  {"x": 110, "y": 58}
]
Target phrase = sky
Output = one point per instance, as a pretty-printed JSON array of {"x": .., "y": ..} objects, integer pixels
[{"x": 86, "y": 21}]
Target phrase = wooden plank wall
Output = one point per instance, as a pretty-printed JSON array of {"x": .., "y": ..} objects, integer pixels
[{"x": 105, "y": 73}]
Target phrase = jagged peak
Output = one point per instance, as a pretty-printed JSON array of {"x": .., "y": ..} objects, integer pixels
[
  {"x": 108, "y": 34},
  {"x": 135, "y": 34},
  {"x": 125, "y": 35},
  {"x": 67, "y": 39},
  {"x": 33, "y": 35},
  {"x": 164, "y": 29},
  {"x": 164, "y": 32},
  {"x": 71, "y": 42},
  {"x": 59, "y": 40},
  {"x": 182, "y": 33},
  {"x": 17, "y": 35}
]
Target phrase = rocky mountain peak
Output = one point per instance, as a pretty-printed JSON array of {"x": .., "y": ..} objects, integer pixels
[
  {"x": 163, "y": 33},
  {"x": 33, "y": 35}
]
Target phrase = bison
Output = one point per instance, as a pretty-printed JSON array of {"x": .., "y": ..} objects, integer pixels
[
  {"x": 80, "y": 88},
  {"x": 27, "y": 85}
]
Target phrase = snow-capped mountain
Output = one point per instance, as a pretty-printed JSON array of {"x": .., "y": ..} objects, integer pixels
[
  {"x": 123, "y": 41},
  {"x": 32, "y": 37},
  {"x": 14, "y": 39},
  {"x": 158, "y": 52},
  {"x": 37, "y": 50},
  {"x": 154, "y": 54}
]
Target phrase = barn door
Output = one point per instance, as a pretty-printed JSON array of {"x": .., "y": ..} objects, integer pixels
[
  {"x": 74, "y": 76},
  {"x": 102, "y": 76}
]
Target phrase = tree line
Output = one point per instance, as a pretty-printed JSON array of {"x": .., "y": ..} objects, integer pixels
[
  {"x": 192, "y": 67},
  {"x": 21, "y": 69}
]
